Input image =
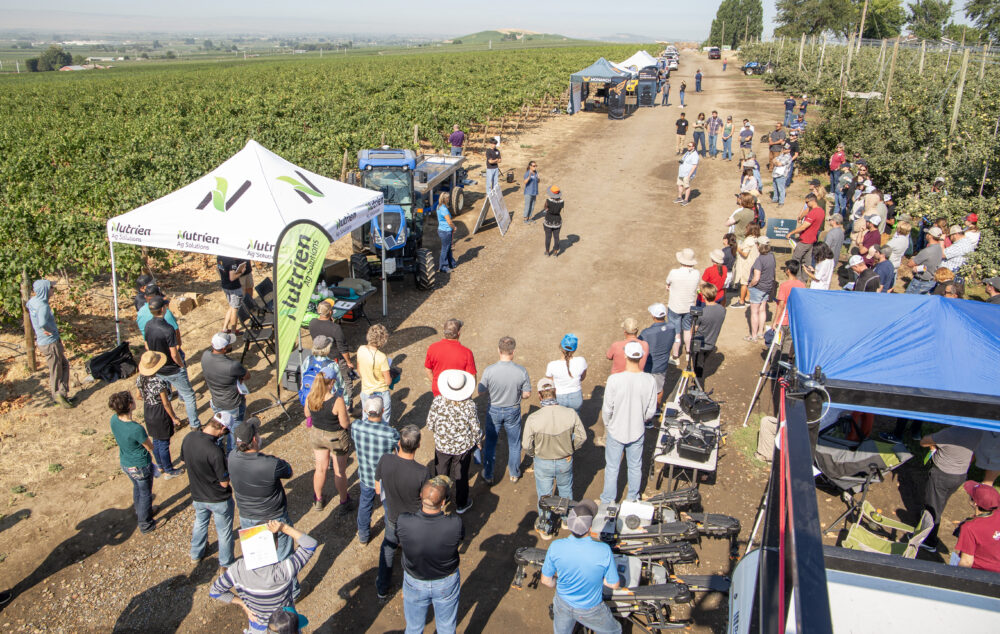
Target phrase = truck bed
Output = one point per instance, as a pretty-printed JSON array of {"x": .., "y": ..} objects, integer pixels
[{"x": 438, "y": 167}]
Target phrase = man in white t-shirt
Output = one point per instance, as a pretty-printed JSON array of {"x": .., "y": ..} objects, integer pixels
[
  {"x": 682, "y": 285},
  {"x": 686, "y": 173}
]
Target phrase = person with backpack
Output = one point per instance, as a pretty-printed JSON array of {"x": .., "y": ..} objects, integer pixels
[
  {"x": 316, "y": 361},
  {"x": 326, "y": 416}
]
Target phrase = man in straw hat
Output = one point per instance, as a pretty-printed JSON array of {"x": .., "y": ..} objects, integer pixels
[
  {"x": 157, "y": 412},
  {"x": 430, "y": 541},
  {"x": 682, "y": 285},
  {"x": 211, "y": 495},
  {"x": 579, "y": 568},
  {"x": 457, "y": 433}
]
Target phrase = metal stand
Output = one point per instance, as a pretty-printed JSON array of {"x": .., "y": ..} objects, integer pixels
[
  {"x": 775, "y": 342},
  {"x": 277, "y": 402}
]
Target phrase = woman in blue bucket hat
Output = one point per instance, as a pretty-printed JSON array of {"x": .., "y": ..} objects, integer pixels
[{"x": 568, "y": 373}]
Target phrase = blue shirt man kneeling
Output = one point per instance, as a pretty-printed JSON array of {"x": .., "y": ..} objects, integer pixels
[{"x": 579, "y": 567}]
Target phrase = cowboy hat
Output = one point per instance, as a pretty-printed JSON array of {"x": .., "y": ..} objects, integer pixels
[
  {"x": 686, "y": 257},
  {"x": 717, "y": 256},
  {"x": 456, "y": 385},
  {"x": 150, "y": 362}
]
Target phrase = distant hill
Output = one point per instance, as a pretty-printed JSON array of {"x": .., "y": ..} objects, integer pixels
[
  {"x": 625, "y": 38},
  {"x": 509, "y": 35}
]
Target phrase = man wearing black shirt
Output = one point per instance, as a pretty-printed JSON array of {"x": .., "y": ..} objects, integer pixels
[
  {"x": 793, "y": 144},
  {"x": 430, "y": 541},
  {"x": 682, "y": 130},
  {"x": 230, "y": 271},
  {"x": 398, "y": 479},
  {"x": 776, "y": 141},
  {"x": 162, "y": 337},
  {"x": 868, "y": 281},
  {"x": 492, "y": 165},
  {"x": 256, "y": 480},
  {"x": 140, "y": 290},
  {"x": 211, "y": 496}
]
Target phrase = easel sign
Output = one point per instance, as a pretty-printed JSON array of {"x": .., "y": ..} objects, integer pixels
[{"x": 494, "y": 199}]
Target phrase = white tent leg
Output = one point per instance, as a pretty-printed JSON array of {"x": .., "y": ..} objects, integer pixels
[
  {"x": 767, "y": 364},
  {"x": 381, "y": 219},
  {"x": 114, "y": 291}
]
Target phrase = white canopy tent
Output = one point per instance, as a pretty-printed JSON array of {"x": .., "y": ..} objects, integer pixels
[
  {"x": 640, "y": 60},
  {"x": 240, "y": 208}
]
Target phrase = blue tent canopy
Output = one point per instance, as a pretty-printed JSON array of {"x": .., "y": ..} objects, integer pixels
[
  {"x": 601, "y": 71},
  {"x": 919, "y": 356}
]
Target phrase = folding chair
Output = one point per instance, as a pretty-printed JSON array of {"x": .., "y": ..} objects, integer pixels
[
  {"x": 261, "y": 337},
  {"x": 259, "y": 316},
  {"x": 851, "y": 471},
  {"x": 265, "y": 290},
  {"x": 882, "y": 536}
]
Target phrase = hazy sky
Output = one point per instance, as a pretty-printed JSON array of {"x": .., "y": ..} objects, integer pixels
[
  {"x": 662, "y": 19},
  {"x": 580, "y": 18}
]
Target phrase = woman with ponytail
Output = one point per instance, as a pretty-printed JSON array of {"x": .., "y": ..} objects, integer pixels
[{"x": 568, "y": 373}]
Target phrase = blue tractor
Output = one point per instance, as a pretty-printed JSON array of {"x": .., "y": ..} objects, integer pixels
[{"x": 410, "y": 186}]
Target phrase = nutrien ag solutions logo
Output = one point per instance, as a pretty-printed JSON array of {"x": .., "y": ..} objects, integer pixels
[
  {"x": 303, "y": 188},
  {"x": 258, "y": 249},
  {"x": 132, "y": 230},
  {"x": 195, "y": 241},
  {"x": 218, "y": 195}
]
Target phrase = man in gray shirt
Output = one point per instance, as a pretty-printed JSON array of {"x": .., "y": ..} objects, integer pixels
[
  {"x": 835, "y": 237},
  {"x": 221, "y": 375},
  {"x": 506, "y": 383},
  {"x": 629, "y": 401},
  {"x": 926, "y": 263},
  {"x": 952, "y": 449}
]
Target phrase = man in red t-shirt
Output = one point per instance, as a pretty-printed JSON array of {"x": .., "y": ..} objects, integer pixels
[
  {"x": 617, "y": 350},
  {"x": 979, "y": 537},
  {"x": 791, "y": 270},
  {"x": 871, "y": 240},
  {"x": 836, "y": 161},
  {"x": 808, "y": 232},
  {"x": 448, "y": 354}
]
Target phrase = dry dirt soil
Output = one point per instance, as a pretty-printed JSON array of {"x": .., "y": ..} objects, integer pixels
[{"x": 68, "y": 540}]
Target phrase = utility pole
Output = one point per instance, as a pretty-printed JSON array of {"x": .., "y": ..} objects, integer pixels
[
  {"x": 892, "y": 69},
  {"x": 861, "y": 29},
  {"x": 958, "y": 99},
  {"x": 923, "y": 49}
]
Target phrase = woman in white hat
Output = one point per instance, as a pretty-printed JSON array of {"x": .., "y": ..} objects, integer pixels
[
  {"x": 157, "y": 413},
  {"x": 457, "y": 433},
  {"x": 716, "y": 275},
  {"x": 682, "y": 285}
]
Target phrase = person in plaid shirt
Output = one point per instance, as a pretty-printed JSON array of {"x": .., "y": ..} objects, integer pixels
[
  {"x": 372, "y": 439},
  {"x": 714, "y": 126}
]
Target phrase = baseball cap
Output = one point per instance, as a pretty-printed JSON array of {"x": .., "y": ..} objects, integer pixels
[
  {"x": 657, "y": 310},
  {"x": 794, "y": 133},
  {"x": 983, "y": 495},
  {"x": 630, "y": 325},
  {"x": 329, "y": 371},
  {"x": 225, "y": 419},
  {"x": 143, "y": 280},
  {"x": 156, "y": 302},
  {"x": 955, "y": 229},
  {"x": 886, "y": 250},
  {"x": 222, "y": 339},
  {"x": 934, "y": 231},
  {"x": 973, "y": 218},
  {"x": 546, "y": 384},
  {"x": 374, "y": 405},
  {"x": 246, "y": 431},
  {"x": 581, "y": 517},
  {"x": 855, "y": 260},
  {"x": 633, "y": 350},
  {"x": 994, "y": 282},
  {"x": 152, "y": 289},
  {"x": 569, "y": 342},
  {"x": 886, "y": 196},
  {"x": 763, "y": 240},
  {"x": 322, "y": 342},
  {"x": 815, "y": 182},
  {"x": 875, "y": 219}
]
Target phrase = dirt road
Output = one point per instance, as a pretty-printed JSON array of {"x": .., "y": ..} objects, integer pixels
[{"x": 72, "y": 553}]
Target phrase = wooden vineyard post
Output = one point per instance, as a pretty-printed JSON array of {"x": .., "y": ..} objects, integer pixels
[
  {"x": 923, "y": 49},
  {"x": 850, "y": 53},
  {"x": 343, "y": 169},
  {"x": 982, "y": 67},
  {"x": 881, "y": 63},
  {"x": 958, "y": 99},
  {"x": 861, "y": 29},
  {"x": 29, "y": 336},
  {"x": 383, "y": 140},
  {"x": 416, "y": 133},
  {"x": 486, "y": 132},
  {"x": 892, "y": 69},
  {"x": 802, "y": 45},
  {"x": 822, "y": 54},
  {"x": 840, "y": 108}
]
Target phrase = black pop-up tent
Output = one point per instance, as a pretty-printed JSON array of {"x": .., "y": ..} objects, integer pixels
[{"x": 603, "y": 75}]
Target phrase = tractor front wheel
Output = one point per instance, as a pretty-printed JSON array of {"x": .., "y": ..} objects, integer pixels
[{"x": 426, "y": 269}]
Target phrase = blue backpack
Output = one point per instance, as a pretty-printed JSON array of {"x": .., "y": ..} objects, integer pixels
[{"x": 309, "y": 375}]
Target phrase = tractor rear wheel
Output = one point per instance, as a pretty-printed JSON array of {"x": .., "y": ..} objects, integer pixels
[
  {"x": 360, "y": 268},
  {"x": 458, "y": 200},
  {"x": 748, "y": 72},
  {"x": 426, "y": 269}
]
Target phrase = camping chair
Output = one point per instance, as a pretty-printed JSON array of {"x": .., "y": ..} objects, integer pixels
[
  {"x": 259, "y": 316},
  {"x": 260, "y": 336},
  {"x": 265, "y": 290},
  {"x": 882, "y": 537},
  {"x": 853, "y": 470}
]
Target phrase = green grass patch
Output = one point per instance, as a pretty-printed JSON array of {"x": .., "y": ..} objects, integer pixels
[
  {"x": 744, "y": 440},
  {"x": 55, "y": 467}
]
